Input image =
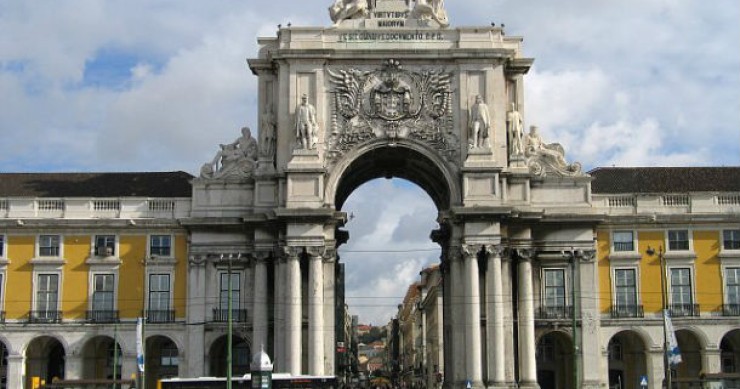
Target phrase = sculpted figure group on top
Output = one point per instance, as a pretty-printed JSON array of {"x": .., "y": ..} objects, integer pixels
[{"x": 360, "y": 9}]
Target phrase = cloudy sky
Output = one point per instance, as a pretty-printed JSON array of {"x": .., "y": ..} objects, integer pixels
[{"x": 143, "y": 85}]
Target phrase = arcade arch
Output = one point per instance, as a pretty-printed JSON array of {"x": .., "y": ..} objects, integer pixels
[
  {"x": 241, "y": 356},
  {"x": 162, "y": 359},
  {"x": 45, "y": 358},
  {"x": 627, "y": 359},
  {"x": 555, "y": 360},
  {"x": 99, "y": 360},
  {"x": 730, "y": 351}
]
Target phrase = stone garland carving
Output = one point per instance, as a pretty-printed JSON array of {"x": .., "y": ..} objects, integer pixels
[
  {"x": 235, "y": 160},
  {"x": 543, "y": 158},
  {"x": 392, "y": 103}
]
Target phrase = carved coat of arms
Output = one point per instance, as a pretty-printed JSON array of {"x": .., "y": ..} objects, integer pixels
[{"x": 391, "y": 103}]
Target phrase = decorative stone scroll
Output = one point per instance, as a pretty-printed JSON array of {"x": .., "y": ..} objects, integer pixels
[
  {"x": 544, "y": 159},
  {"x": 391, "y": 103}
]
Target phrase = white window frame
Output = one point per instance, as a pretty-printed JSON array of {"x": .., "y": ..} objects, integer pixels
[
  {"x": 689, "y": 236},
  {"x": 636, "y": 269},
  {"x": 38, "y": 247},
  {"x": 722, "y": 242},
  {"x": 3, "y": 277},
  {"x": 94, "y": 242},
  {"x": 158, "y": 271},
  {"x": 35, "y": 287},
  {"x": 242, "y": 296},
  {"x": 149, "y": 246},
  {"x": 692, "y": 274},
  {"x": 91, "y": 289},
  {"x": 3, "y": 246},
  {"x": 725, "y": 299},
  {"x": 623, "y": 252}
]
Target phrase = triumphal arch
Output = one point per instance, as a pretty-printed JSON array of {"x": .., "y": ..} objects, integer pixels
[{"x": 391, "y": 89}]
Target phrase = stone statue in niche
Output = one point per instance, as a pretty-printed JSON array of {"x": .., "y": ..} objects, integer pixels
[
  {"x": 348, "y": 9},
  {"x": 515, "y": 125},
  {"x": 268, "y": 129},
  {"x": 235, "y": 160},
  {"x": 306, "y": 126},
  {"x": 480, "y": 124},
  {"x": 431, "y": 9},
  {"x": 544, "y": 158}
]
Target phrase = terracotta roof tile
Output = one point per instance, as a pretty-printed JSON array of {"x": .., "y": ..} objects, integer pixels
[
  {"x": 665, "y": 179},
  {"x": 149, "y": 184}
]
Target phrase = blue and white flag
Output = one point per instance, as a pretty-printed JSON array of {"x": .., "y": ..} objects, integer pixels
[
  {"x": 674, "y": 354},
  {"x": 140, "y": 344}
]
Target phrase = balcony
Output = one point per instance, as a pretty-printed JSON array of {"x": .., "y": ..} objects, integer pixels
[
  {"x": 684, "y": 310},
  {"x": 160, "y": 316},
  {"x": 44, "y": 317},
  {"x": 2, "y": 317},
  {"x": 222, "y": 315},
  {"x": 731, "y": 310},
  {"x": 627, "y": 311},
  {"x": 101, "y": 316},
  {"x": 555, "y": 312}
]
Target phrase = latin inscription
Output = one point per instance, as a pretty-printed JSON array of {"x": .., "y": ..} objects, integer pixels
[{"x": 367, "y": 36}]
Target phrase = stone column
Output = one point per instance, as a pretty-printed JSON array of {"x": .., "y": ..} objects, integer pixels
[
  {"x": 293, "y": 319},
  {"x": 712, "y": 359},
  {"x": 196, "y": 313},
  {"x": 315, "y": 314},
  {"x": 16, "y": 371},
  {"x": 527, "y": 347},
  {"x": 259, "y": 309},
  {"x": 509, "y": 319},
  {"x": 473, "y": 363},
  {"x": 129, "y": 366},
  {"x": 330, "y": 314},
  {"x": 279, "y": 307},
  {"x": 457, "y": 320},
  {"x": 655, "y": 368},
  {"x": 590, "y": 337},
  {"x": 495, "y": 318}
]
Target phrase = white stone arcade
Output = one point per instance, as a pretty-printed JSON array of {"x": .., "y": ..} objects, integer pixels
[{"x": 391, "y": 91}]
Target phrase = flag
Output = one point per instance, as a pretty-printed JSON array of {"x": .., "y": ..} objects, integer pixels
[
  {"x": 140, "y": 344},
  {"x": 674, "y": 354}
]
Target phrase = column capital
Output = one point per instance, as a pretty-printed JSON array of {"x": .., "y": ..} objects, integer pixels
[
  {"x": 262, "y": 256},
  {"x": 526, "y": 254},
  {"x": 197, "y": 260},
  {"x": 289, "y": 252},
  {"x": 495, "y": 250}
]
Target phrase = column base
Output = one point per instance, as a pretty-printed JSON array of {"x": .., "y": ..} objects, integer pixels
[
  {"x": 529, "y": 385},
  {"x": 502, "y": 385},
  {"x": 591, "y": 385},
  {"x": 463, "y": 385}
]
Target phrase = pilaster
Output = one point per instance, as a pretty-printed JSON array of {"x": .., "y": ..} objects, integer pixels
[
  {"x": 473, "y": 360},
  {"x": 495, "y": 318},
  {"x": 16, "y": 371},
  {"x": 315, "y": 312},
  {"x": 293, "y": 315},
  {"x": 197, "y": 287},
  {"x": 527, "y": 346},
  {"x": 259, "y": 310}
]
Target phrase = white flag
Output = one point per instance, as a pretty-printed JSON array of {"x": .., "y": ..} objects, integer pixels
[
  {"x": 140, "y": 344},
  {"x": 674, "y": 354}
]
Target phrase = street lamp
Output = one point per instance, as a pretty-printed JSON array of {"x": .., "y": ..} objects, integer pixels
[{"x": 664, "y": 301}]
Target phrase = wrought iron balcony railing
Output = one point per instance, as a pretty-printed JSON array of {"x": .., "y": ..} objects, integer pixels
[
  {"x": 160, "y": 316},
  {"x": 622, "y": 311},
  {"x": 101, "y": 316},
  {"x": 731, "y": 309},
  {"x": 222, "y": 315},
  {"x": 555, "y": 312},
  {"x": 44, "y": 316},
  {"x": 684, "y": 310}
]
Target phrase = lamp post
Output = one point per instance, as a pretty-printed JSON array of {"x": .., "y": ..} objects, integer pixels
[{"x": 664, "y": 301}]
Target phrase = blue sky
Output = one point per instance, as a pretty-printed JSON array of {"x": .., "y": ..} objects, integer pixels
[{"x": 142, "y": 85}]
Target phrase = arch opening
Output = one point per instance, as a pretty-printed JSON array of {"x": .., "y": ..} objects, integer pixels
[
  {"x": 730, "y": 352},
  {"x": 99, "y": 359},
  {"x": 162, "y": 359},
  {"x": 45, "y": 359},
  {"x": 240, "y": 356},
  {"x": 627, "y": 359},
  {"x": 554, "y": 356}
]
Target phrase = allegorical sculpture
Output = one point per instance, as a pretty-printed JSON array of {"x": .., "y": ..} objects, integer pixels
[
  {"x": 515, "y": 126},
  {"x": 431, "y": 9},
  {"x": 268, "y": 129},
  {"x": 348, "y": 9},
  {"x": 480, "y": 124},
  {"x": 306, "y": 126},
  {"x": 235, "y": 160},
  {"x": 543, "y": 158}
]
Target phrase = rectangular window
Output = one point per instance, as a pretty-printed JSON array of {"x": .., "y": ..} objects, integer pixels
[
  {"x": 553, "y": 306},
  {"x": 105, "y": 245},
  {"x": 47, "y": 294},
  {"x": 49, "y": 245},
  {"x": 625, "y": 282},
  {"x": 731, "y": 239},
  {"x": 2, "y": 246},
  {"x": 624, "y": 241},
  {"x": 159, "y": 292},
  {"x": 678, "y": 240},
  {"x": 681, "y": 298},
  {"x": 732, "y": 287},
  {"x": 103, "y": 292},
  {"x": 160, "y": 245},
  {"x": 235, "y": 292}
]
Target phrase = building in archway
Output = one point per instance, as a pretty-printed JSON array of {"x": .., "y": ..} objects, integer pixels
[{"x": 530, "y": 243}]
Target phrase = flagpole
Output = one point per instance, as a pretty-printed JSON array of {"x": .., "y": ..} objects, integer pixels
[{"x": 664, "y": 302}]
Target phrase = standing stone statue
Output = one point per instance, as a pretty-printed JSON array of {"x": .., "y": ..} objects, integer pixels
[
  {"x": 306, "y": 126},
  {"x": 516, "y": 131},
  {"x": 268, "y": 129},
  {"x": 480, "y": 124},
  {"x": 348, "y": 9}
]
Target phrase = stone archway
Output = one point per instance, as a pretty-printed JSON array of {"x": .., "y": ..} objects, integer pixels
[
  {"x": 627, "y": 360},
  {"x": 241, "y": 356},
  {"x": 555, "y": 361},
  {"x": 162, "y": 359},
  {"x": 691, "y": 355},
  {"x": 730, "y": 352},
  {"x": 99, "y": 360},
  {"x": 45, "y": 359}
]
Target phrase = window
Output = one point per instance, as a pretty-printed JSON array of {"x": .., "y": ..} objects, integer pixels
[
  {"x": 625, "y": 284},
  {"x": 105, "y": 245},
  {"x": 159, "y": 299},
  {"x": 169, "y": 355},
  {"x": 681, "y": 299},
  {"x": 678, "y": 240},
  {"x": 160, "y": 245},
  {"x": 732, "y": 290},
  {"x": 235, "y": 292},
  {"x": 624, "y": 241},
  {"x": 554, "y": 294},
  {"x": 731, "y": 239},
  {"x": 47, "y": 295},
  {"x": 103, "y": 287},
  {"x": 49, "y": 245},
  {"x": 2, "y": 246}
]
